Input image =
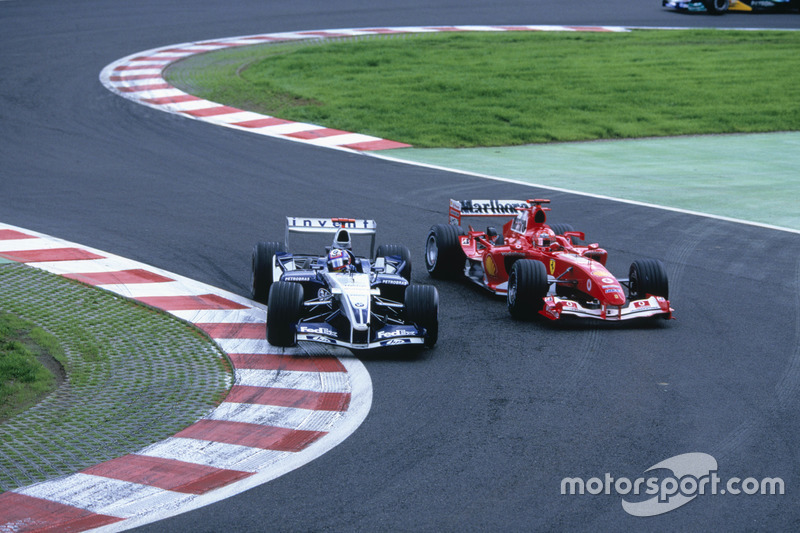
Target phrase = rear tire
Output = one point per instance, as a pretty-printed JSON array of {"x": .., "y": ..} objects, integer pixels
[
  {"x": 261, "y": 272},
  {"x": 385, "y": 250},
  {"x": 527, "y": 288},
  {"x": 422, "y": 309},
  {"x": 444, "y": 257},
  {"x": 562, "y": 228},
  {"x": 284, "y": 310},
  {"x": 647, "y": 276}
]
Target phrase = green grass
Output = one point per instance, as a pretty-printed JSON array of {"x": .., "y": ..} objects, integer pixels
[
  {"x": 23, "y": 377},
  {"x": 512, "y": 88}
]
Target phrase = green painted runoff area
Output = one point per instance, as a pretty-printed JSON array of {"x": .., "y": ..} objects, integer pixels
[{"x": 752, "y": 177}]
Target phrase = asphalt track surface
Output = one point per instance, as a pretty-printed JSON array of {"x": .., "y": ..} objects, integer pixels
[{"x": 478, "y": 433}]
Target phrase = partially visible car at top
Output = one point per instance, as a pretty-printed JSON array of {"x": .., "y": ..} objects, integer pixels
[
  {"x": 718, "y": 7},
  {"x": 539, "y": 267},
  {"x": 337, "y": 297}
]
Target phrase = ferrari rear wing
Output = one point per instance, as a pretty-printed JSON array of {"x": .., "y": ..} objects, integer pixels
[
  {"x": 354, "y": 226},
  {"x": 486, "y": 208}
]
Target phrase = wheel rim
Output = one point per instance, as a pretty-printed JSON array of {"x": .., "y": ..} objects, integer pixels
[
  {"x": 512, "y": 289},
  {"x": 431, "y": 252}
]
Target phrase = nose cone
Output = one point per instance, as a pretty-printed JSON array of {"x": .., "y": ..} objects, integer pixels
[
  {"x": 615, "y": 298},
  {"x": 608, "y": 290}
]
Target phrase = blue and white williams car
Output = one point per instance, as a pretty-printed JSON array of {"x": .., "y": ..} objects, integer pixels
[{"x": 340, "y": 298}]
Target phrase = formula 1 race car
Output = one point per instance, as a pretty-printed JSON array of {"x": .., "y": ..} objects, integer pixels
[
  {"x": 718, "y": 7},
  {"x": 540, "y": 267},
  {"x": 339, "y": 298}
]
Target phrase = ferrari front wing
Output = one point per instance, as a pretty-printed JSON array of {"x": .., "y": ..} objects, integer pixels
[{"x": 556, "y": 307}]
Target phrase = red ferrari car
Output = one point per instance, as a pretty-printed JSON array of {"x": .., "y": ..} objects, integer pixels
[{"x": 540, "y": 267}]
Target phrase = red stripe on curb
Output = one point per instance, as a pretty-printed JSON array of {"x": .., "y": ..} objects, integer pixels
[
  {"x": 234, "y": 330},
  {"x": 325, "y": 33},
  {"x": 53, "y": 254},
  {"x": 213, "y": 111},
  {"x": 10, "y": 235},
  {"x": 380, "y": 144},
  {"x": 252, "y": 435},
  {"x": 264, "y": 38},
  {"x": 172, "y": 99},
  {"x": 134, "y": 67},
  {"x": 286, "y": 362},
  {"x": 317, "y": 133},
  {"x": 191, "y": 303},
  {"x": 19, "y": 512},
  {"x": 157, "y": 58},
  {"x": 262, "y": 122},
  {"x": 301, "y": 399},
  {"x": 119, "y": 277},
  {"x": 135, "y": 77},
  {"x": 167, "y": 474}
]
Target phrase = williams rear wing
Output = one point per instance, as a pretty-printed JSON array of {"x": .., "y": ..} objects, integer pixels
[
  {"x": 485, "y": 208},
  {"x": 353, "y": 226}
]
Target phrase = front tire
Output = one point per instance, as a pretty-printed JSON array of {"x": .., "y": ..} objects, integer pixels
[
  {"x": 527, "y": 288},
  {"x": 385, "y": 250},
  {"x": 261, "y": 272},
  {"x": 444, "y": 257},
  {"x": 647, "y": 276},
  {"x": 284, "y": 310},
  {"x": 717, "y": 7},
  {"x": 422, "y": 309}
]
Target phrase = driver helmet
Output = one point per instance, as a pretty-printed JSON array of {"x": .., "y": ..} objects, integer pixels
[
  {"x": 338, "y": 260},
  {"x": 544, "y": 238}
]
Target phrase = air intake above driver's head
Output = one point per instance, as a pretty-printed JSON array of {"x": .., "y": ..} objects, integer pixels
[{"x": 342, "y": 240}]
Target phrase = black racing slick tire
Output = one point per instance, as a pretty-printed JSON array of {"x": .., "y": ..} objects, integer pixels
[
  {"x": 444, "y": 257},
  {"x": 284, "y": 310},
  {"x": 560, "y": 228},
  {"x": 422, "y": 309},
  {"x": 647, "y": 276},
  {"x": 261, "y": 273},
  {"x": 716, "y": 7},
  {"x": 385, "y": 250},
  {"x": 527, "y": 288}
]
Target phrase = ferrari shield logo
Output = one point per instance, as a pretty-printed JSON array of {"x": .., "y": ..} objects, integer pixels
[
  {"x": 552, "y": 266},
  {"x": 491, "y": 268}
]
